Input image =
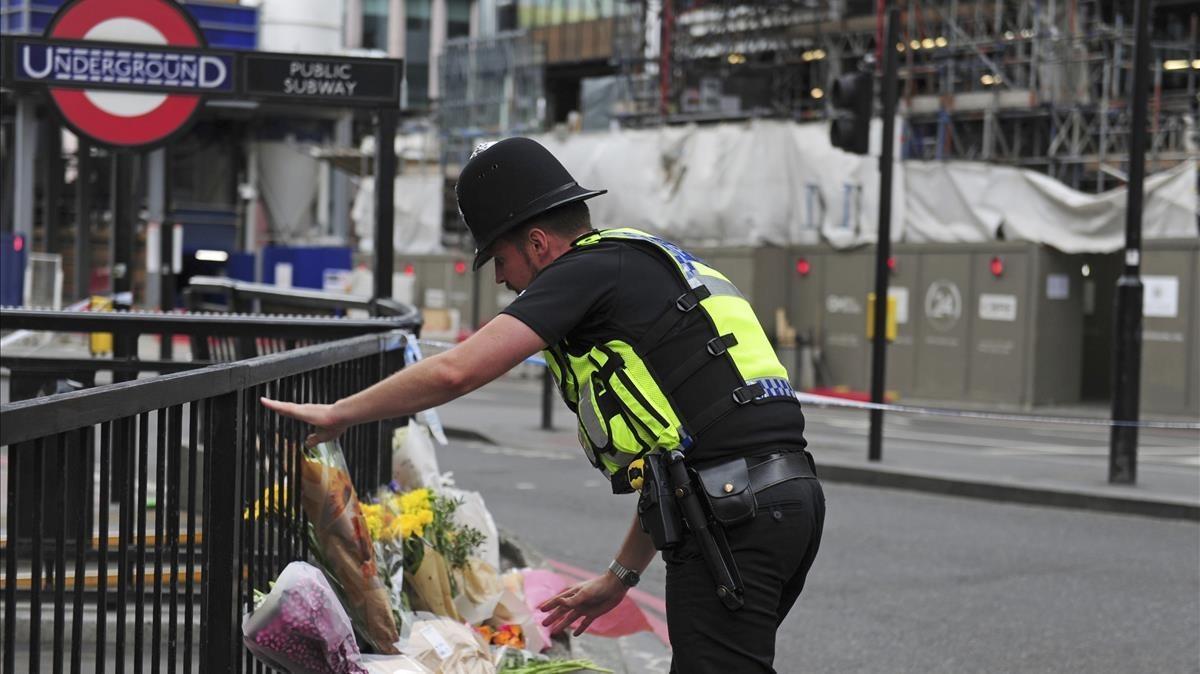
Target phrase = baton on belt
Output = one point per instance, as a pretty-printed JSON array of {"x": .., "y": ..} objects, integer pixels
[{"x": 716, "y": 552}]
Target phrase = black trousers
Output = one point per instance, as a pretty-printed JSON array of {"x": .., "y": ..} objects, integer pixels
[{"x": 773, "y": 552}]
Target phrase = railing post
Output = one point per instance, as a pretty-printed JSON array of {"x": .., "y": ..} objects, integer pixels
[{"x": 222, "y": 535}]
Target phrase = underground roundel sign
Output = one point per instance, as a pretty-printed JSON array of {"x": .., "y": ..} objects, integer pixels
[{"x": 147, "y": 65}]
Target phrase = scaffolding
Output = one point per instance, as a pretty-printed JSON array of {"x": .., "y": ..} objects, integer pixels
[
  {"x": 1041, "y": 84},
  {"x": 491, "y": 88}
]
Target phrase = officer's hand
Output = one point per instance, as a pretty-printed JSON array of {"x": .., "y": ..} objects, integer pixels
[
  {"x": 587, "y": 601},
  {"x": 320, "y": 417}
]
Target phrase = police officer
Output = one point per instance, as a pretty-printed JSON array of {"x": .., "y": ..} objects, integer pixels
[{"x": 679, "y": 396}]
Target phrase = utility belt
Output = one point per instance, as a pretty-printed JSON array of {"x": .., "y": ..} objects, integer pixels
[{"x": 708, "y": 501}]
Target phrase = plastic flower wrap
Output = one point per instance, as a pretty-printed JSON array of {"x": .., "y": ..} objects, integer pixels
[
  {"x": 342, "y": 545},
  {"x": 301, "y": 627},
  {"x": 388, "y": 531},
  {"x": 420, "y": 548}
]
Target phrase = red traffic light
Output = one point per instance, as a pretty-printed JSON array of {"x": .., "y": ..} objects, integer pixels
[
  {"x": 803, "y": 267},
  {"x": 997, "y": 266},
  {"x": 460, "y": 267},
  {"x": 409, "y": 270},
  {"x": 891, "y": 263},
  {"x": 18, "y": 243}
]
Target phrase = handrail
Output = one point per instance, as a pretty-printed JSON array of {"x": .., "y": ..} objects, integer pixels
[
  {"x": 300, "y": 298},
  {"x": 199, "y": 325},
  {"x": 39, "y": 417}
]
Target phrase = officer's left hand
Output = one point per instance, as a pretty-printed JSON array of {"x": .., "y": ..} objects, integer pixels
[{"x": 587, "y": 600}]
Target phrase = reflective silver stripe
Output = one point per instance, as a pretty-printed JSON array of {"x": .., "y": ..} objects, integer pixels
[
  {"x": 591, "y": 422},
  {"x": 620, "y": 458},
  {"x": 719, "y": 286}
]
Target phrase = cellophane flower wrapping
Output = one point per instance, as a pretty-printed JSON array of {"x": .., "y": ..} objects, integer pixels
[
  {"x": 343, "y": 547},
  {"x": 301, "y": 627}
]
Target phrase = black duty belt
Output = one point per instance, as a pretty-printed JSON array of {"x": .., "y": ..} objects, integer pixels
[{"x": 773, "y": 469}]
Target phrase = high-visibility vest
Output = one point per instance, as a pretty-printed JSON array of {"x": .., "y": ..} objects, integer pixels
[{"x": 624, "y": 409}]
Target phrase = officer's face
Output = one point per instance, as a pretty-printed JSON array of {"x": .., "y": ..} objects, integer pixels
[{"x": 514, "y": 267}]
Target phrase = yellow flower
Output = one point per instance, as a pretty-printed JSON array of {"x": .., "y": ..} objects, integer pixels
[
  {"x": 415, "y": 500},
  {"x": 425, "y": 517},
  {"x": 411, "y": 524},
  {"x": 374, "y": 516},
  {"x": 273, "y": 500},
  {"x": 394, "y": 530}
]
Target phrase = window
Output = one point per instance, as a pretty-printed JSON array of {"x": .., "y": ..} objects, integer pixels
[{"x": 374, "y": 24}]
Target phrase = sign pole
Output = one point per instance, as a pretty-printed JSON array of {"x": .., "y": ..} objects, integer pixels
[
  {"x": 883, "y": 246},
  {"x": 83, "y": 219},
  {"x": 385, "y": 187},
  {"x": 1127, "y": 356},
  {"x": 122, "y": 209}
]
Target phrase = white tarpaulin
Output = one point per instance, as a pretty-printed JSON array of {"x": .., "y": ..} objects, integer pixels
[
  {"x": 972, "y": 201},
  {"x": 781, "y": 182},
  {"x": 418, "y": 218},
  {"x": 733, "y": 184}
]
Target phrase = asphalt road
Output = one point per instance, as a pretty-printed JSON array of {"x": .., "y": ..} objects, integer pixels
[{"x": 906, "y": 582}]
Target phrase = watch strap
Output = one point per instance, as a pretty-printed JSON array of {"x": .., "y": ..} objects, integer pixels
[{"x": 628, "y": 577}]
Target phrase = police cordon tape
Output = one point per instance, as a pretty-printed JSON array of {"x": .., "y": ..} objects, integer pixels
[{"x": 831, "y": 401}]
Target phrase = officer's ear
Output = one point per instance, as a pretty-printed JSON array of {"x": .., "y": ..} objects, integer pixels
[{"x": 539, "y": 240}]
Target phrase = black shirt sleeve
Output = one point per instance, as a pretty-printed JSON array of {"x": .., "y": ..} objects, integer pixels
[{"x": 573, "y": 292}]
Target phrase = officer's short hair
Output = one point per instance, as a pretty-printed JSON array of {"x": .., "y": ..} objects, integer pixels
[{"x": 568, "y": 221}]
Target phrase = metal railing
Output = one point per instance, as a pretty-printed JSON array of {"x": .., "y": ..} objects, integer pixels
[
  {"x": 212, "y": 337},
  {"x": 269, "y": 299},
  {"x": 191, "y": 540}
]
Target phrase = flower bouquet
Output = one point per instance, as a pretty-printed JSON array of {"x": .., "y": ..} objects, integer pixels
[
  {"x": 420, "y": 547},
  {"x": 342, "y": 545},
  {"x": 301, "y": 625}
]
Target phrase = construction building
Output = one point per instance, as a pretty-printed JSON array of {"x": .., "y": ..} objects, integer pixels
[{"x": 1037, "y": 84}]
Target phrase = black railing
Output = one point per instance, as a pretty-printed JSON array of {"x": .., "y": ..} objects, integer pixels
[
  {"x": 181, "y": 568},
  {"x": 212, "y": 337}
]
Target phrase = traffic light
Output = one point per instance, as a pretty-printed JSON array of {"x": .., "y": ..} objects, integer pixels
[{"x": 851, "y": 96}]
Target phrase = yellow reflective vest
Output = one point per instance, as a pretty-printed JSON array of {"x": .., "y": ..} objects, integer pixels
[{"x": 624, "y": 410}]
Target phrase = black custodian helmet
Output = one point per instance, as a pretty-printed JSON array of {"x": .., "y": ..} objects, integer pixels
[{"x": 507, "y": 183}]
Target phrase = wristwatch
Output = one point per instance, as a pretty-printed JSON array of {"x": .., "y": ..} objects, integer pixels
[{"x": 628, "y": 577}]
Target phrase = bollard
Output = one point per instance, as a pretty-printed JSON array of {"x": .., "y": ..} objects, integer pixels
[{"x": 547, "y": 400}]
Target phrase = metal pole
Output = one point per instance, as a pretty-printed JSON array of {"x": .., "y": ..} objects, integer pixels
[
  {"x": 83, "y": 219},
  {"x": 122, "y": 210},
  {"x": 664, "y": 57},
  {"x": 883, "y": 248},
  {"x": 1127, "y": 357},
  {"x": 25, "y": 148},
  {"x": 476, "y": 299},
  {"x": 385, "y": 187},
  {"x": 547, "y": 400},
  {"x": 52, "y": 179}
]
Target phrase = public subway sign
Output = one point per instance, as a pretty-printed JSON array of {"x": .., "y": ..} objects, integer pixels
[
  {"x": 134, "y": 73},
  {"x": 320, "y": 78}
]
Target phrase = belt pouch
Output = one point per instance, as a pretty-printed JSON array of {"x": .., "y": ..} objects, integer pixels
[
  {"x": 726, "y": 488},
  {"x": 658, "y": 510}
]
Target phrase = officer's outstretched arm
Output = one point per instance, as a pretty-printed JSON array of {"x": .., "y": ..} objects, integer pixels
[{"x": 495, "y": 349}]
